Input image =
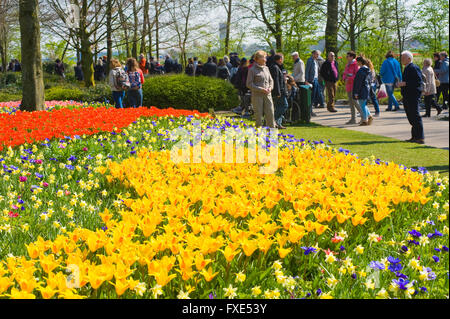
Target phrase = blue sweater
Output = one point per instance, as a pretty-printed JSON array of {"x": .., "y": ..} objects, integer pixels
[
  {"x": 442, "y": 72},
  {"x": 390, "y": 69}
]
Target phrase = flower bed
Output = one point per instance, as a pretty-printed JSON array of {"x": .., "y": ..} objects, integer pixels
[
  {"x": 30, "y": 127},
  {"x": 127, "y": 222}
]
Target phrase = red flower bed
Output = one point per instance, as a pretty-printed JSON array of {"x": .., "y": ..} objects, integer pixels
[{"x": 30, "y": 127}]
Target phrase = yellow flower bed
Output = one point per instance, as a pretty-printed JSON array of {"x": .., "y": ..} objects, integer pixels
[{"x": 189, "y": 216}]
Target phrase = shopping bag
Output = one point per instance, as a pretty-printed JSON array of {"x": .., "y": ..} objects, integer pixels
[{"x": 382, "y": 92}]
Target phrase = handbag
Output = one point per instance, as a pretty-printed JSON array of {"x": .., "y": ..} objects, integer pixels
[
  {"x": 438, "y": 83},
  {"x": 382, "y": 94}
]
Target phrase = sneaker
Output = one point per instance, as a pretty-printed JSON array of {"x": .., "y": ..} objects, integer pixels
[
  {"x": 388, "y": 110},
  {"x": 370, "y": 120},
  {"x": 332, "y": 110},
  {"x": 410, "y": 140},
  {"x": 364, "y": 123},
  {"x": 351, "y": 122},
  {"x": 321, "y": 106},
  {"x": 281, "y": 127},
  {"x": 427, "y": 115},
  {"x": 313, "y": 114},
  {"x": 419, "y": 141}
]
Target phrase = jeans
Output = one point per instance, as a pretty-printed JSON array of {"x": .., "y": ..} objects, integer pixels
[
  {"x": 373, "y": 97},
  {"x": 317, "y": 95},
  {"x": 118, "y": 97},
  {"x": 135, "y": 98},
  {"x": 281, "y": 106},
  {"x": 411, "y": 105},
  {"x": 365, "y": 112},
  {"x": 392, "y": 100}
]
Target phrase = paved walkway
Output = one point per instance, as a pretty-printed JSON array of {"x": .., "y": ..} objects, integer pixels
[{"x": 390, "y": 124}]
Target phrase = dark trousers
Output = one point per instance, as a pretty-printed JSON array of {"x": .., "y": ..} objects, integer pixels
[
  {"x": 281, "y": 106},
  {"x": 444, "y": 89},
  {"x": 411, "y": 105},
  {"x": 429, "y": 102}
]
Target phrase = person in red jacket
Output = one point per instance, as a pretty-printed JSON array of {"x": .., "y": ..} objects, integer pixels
[{"x": 349, "y": 76}]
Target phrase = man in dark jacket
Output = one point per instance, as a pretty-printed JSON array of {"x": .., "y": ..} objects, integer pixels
[
  {"x": 210, "y": 68},
  {"x": 411, "y": 92},
  {"x": 279, "y": 92},
  {"x": 59, "y": 68},
  {"x": 78, "y": 72},
  {"x": 270, "y": 59},
  {"x": 330, "y": 73},
  {"x": 169, "y": 65}
]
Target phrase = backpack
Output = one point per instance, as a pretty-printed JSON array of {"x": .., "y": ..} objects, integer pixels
[
  {"x": 135, "y": 80},
  {"x": 122, "y": 81},
  {"x": 223, "y": 73}
]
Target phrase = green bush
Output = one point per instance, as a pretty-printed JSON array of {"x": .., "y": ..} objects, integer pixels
[
  {"x": 192, "y": 93},
  {"x": 10, "y": 78},
  {"x": 100, "y": 93},
  {"x": 61, "y": 93}
]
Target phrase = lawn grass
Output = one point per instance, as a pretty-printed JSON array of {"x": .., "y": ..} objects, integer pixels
[{"x": 384, "y": 148}]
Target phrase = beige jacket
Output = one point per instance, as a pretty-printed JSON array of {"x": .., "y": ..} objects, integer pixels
[
  {"x": 259, "y": 78},
  {"x": 299, "y": 71},
  {"x": 430, "y": 84}
]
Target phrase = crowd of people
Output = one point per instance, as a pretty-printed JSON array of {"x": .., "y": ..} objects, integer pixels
[{"x": 265, "y": 87}]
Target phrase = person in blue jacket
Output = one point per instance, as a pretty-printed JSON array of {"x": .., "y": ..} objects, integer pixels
[
  {"x": 362, "y": 88},
  {"x": 411, "y": 87},
  {"x": 443, "y": 76},
  {"x": 391, "y": 73}
]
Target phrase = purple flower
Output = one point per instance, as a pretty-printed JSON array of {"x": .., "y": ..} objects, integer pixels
[
  {"x": 436, "y": 258},
  {"x": 318, "y": 292},
  {"x": 415, "y": 233},
  {"x": 376, "y": 265},
  {"x": 401, "y": 283},
  {"x": 445, "y": 248},
  {"x": 435, "y": 234},
  {"x": 309, "y": 250},
  {"x": 354, "y": 276},
  {"x": 404, "y": 249},
  {"x": 38, "y": 175},
  {"x": 423, "y": 289},
  {"x": 415, "y": 242},
  {"x": 438, "y": 250},
  {"x": 342, "y": 248},
  {"x": 395, "y": 267},
  {"x": 393, "y": 260},
  {"x": 400, "y": 275}
]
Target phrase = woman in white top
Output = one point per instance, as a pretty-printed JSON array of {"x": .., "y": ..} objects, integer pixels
[{"x": 429, "y": 88}]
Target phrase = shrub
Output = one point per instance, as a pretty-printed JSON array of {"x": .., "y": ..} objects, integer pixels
[
  {"x": 61, "y": 93},
  {"x": 101, "y": 93},
  {"x": 10, "y": 78},
  {"x": 186, "y": 92}
]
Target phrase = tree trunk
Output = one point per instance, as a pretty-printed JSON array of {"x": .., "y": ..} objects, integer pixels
[
  {"x": 32, "y": 73},
  {"x": 135, "y": 31},
  {"x": 125, "y": 30},
  {"x": 157, "y": 29},
  {"x": 144, "y": 27},
  {"x": 227, "y": 35},
  {"x": 278, "y": 27},
  {"x": 108, "y": 34},
  {"x": 331, "y": 31},
  {"x": 352, "y": 27},
  {"x": 399, "y": 33},
  {"x": 86, "y": 53}
]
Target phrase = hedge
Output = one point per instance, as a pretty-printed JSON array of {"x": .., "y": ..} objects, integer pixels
[
  {"x": 101, "y": 93},
  {"x": 188, "y": 92}
]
